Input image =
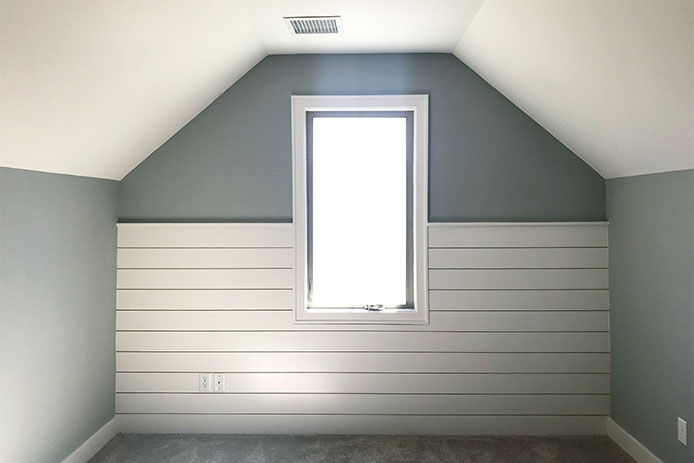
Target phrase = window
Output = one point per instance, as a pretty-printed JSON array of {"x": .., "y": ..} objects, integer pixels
[
  {"x": 360, "y": 208},
  {"x": 359, "y": 203}
]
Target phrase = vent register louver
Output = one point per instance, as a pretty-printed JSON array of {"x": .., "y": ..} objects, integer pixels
[{"x": 314, "y": 24}]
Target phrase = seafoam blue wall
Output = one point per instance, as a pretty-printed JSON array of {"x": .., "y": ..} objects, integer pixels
[
  {"x": 57, "y": 312},
  {"x": 652, "y": 308},
  {"x": 488, "y": 160}
]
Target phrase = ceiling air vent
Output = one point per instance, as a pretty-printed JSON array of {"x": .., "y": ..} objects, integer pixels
[{"x": 314, "y": 24}]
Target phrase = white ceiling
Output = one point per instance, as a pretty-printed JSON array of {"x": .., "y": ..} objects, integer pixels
[
  {"x": 93, "y": 87},
  {"x": 611, "y": 79}
]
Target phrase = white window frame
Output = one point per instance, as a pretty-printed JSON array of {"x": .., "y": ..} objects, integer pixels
[{"x": 419, "y": 105}]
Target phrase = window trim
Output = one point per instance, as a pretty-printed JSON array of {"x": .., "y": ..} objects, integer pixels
[{"x": 418, "y": 105}]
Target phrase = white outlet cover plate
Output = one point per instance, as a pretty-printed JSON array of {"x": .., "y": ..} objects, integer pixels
[
  {"x": 682, "y": 431},
  {"x": 218, "y": 382},
  {"x": 205, "y": 382}
]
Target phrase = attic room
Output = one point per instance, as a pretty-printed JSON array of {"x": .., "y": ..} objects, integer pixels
[{"x": 347, "y": 231}]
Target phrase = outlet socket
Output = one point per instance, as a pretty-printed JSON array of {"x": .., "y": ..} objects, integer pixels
[
  {"x": 205, "y": 382},
  {"x": 682, "y": 431},
  {"x": 218, "y": 382}
]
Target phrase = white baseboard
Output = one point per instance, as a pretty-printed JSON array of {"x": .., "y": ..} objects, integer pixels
[
  {"x": 92, "y": 445},
  {"x": 361, "y": 424},
  {"x": 633, "y": 447}
]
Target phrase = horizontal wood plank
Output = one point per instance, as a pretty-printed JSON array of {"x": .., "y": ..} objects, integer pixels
[
  {"x": 205, "y": 278},
  {"x": 519, "y": 279},
  {"x": 344, "y": 362},
  {"x": 502, "y": 258},
  {"x": 206, "y": 258},
  {"x": 545, "y": 299},
  {"x": 365, "y": 404},
  {"x": 202, "y": 299},
  {"x": 362, "y": 342},
  {"x": 509, "y": 235},
  {"x": 362, "y": 424},
  {"x": 377, "y": 383},
  {"x": 284, "y": 321},
  {"x": 205, "y": 235}
]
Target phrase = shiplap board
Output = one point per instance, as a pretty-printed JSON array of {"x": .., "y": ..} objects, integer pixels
[
  {"x": 357, "y": 362},
  {"x": 519, "y": 325},
  {"x": 206, "y": 258},
  {"x": 518, "y": 279},
  {"x": 205, "y": 235},
  {"x": 377, "y": 383},
  {"x": 483, "y": 300},
  {"x": 254, "y": 278},
  {"x": 365, "y": 404},
  {"x": 518, "y": 258},
  {"x": 515, "y": 235},
  {"x": 362, "y": 424},
  {"x": 479, "y": 300},
  {"x": 204, "y": 299},
  {"x": 142, "y": 320},
  {"x": 366, "y": 342}
]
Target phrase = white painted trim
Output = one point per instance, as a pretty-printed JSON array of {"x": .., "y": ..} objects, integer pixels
[
  {"x": 633, "y": 447},
  {"x": 419, "y": 104},
  {"x": 92, "y": 445}
]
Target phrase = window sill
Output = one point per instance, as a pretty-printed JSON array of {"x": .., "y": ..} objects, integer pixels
[{"x": 361, "y": 317}]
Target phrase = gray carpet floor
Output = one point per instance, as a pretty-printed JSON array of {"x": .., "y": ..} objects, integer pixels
[{"x": 218, "y": 448}]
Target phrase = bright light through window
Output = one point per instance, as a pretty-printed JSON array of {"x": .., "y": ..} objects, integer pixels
[{"x": 358, "y": 203}]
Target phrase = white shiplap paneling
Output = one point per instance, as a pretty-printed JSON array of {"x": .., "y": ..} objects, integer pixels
[
  {"x": 204, "y": 299},
  {"x": 518, "y": 279},
  {"x": 199, "y": 320},
  {"x": 518, "y": 235},
  {"x": 518, "y": 326},
  {"x": 358, "y": 362},
  {"x": 377, "y": 341},
  {"x": 247, "y": 278},
  {"x": 205, "y": 235},
  {"x": 363, "y": 424},
  {"x": 484, "y": 300},
  {"x": 206, "y": 258},
  {"x": 375, "y": 383},
  {"x": 366, "y": 404},
  {"x": 507, "y": 258}
]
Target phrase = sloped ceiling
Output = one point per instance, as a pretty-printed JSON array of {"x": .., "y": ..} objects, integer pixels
[
  {"x": 93, "y": 87},
  {"x": 611, "y": 79}
]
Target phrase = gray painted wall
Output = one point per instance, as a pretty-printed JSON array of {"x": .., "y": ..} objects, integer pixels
[
  {"x": 651, "y": 278},
  {"x": 57, "y": 257},
  {"x": 488, "y": 160}
]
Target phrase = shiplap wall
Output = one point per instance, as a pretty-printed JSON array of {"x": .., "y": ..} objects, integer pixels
[{"x": 517, "y": 343}]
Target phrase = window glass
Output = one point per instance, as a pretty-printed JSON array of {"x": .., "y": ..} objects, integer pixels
[{"x": 357, "y": 175}]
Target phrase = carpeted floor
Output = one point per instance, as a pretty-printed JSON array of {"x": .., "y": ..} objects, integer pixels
[{"x": 218, "y": 448}]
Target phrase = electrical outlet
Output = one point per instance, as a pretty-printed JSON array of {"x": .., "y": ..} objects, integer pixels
[
  {"x": 205, "y": 382},
  {"x": 219, "y": 382},
  {"x": 682, "y": 431}
]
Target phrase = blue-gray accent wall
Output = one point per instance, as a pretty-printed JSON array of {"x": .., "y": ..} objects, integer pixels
[
  {"x": 57, "y": 312},
  {"x": 488, "y": 160},
  {"x": 652, "y": 308}
]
